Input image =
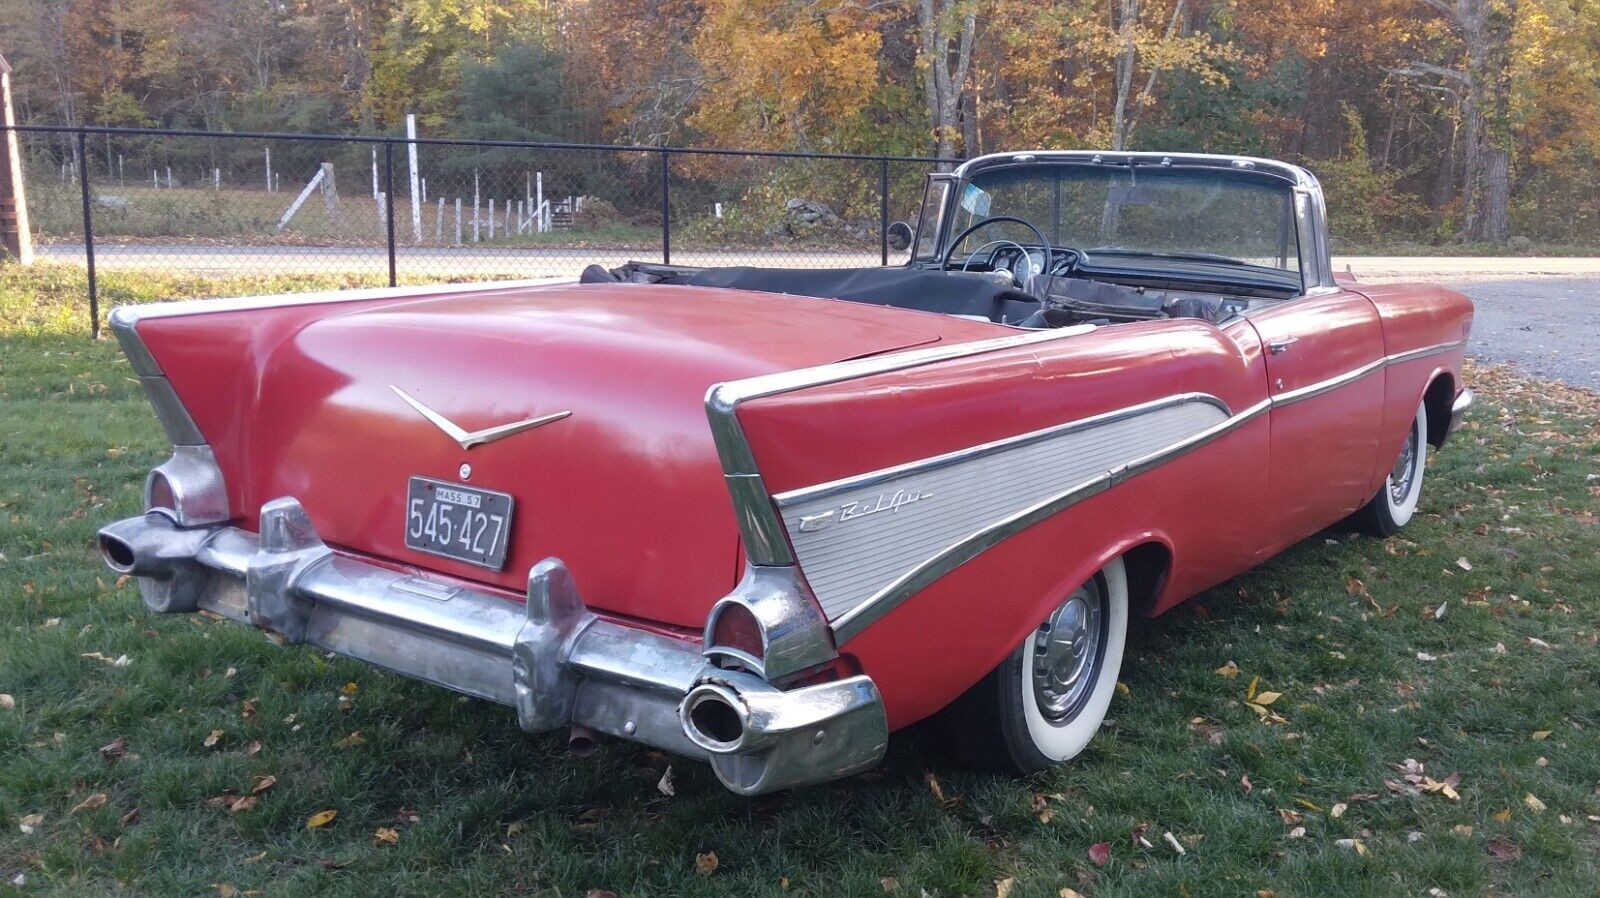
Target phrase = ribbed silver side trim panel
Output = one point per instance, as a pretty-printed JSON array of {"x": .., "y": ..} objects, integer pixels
[{"x": 856, "y": 537}]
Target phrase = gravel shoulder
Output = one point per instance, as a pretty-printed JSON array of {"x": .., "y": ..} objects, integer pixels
[{"x": 1547, "y": 326}]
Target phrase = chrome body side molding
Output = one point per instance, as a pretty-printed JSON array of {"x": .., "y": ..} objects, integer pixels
[
  {"x": 758, "y": 523},
  {"x": 1310, "y": 391},
  {"x": 900, "y": 544},
  {"x": 862, "y": 539},
  {"x": 984, "y": 535}
]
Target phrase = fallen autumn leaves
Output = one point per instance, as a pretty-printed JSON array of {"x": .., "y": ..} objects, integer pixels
[{"x": 1189, "y": 756}]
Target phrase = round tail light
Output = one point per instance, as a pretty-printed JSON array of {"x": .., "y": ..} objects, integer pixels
[
  {"x": 158, "y": 493},
  {"x": 738, "y": 630}
]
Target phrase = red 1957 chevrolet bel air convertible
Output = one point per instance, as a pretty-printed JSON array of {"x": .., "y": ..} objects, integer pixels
[{"x": 765, "y": 517}]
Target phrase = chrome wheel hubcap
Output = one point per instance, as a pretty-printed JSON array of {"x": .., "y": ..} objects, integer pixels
[
  {"x": 1405, "y": 467},
  {"x": 1066, "y": 653}
]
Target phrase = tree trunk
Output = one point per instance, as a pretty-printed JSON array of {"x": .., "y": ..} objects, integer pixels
[
  {"x": 1471, "y": 151},
  {"x": 946, "y": 75},
  {"x": 1496, "y": 186},
  {"x": 970, "y": 138},
  {"x": 1485, "y": 32},
  {"x": 1127, "y": 52}
]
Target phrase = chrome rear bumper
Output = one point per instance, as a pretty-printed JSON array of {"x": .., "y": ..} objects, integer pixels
[{"x": 553, "y": 661}]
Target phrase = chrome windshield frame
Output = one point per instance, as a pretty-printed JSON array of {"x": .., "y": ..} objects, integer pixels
[{"x": 1309, "y": 208}]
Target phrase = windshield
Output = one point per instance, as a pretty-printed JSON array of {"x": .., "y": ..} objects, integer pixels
[{"x": 1210, "y": 215}]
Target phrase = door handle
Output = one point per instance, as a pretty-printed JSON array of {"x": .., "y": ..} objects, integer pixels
[{"x": 1278, "y": 347}]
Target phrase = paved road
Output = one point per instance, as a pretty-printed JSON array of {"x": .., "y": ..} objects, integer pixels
[{"x": 1541, "y": 313}]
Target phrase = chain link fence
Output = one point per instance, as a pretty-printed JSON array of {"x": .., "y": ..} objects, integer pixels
[{"x": 387, "y": 210}]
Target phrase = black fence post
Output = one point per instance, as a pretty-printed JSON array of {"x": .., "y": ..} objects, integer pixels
[
  {"x": 88, "y": 235},
  {"x": 388, "y": 205},
  {"x": 883, "y": 208},
  {"x": 666, "y": 207}
]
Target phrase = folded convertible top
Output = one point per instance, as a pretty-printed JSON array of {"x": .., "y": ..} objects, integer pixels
[{"x": 949, "y": 293}]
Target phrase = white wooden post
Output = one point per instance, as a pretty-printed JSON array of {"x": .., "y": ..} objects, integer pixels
[
  {"x": 538, "y": 180},
  {"x": 424, "y": 190},
  {"x": 155, "y": 178},
  {"x": 294, "y": 207},
  {"x": 476, "y": 205},
  {"x": 330, "y": 196},
  {"x": 491, "y": 218},
  {"x": 522, "y": 226},
  {"x": 269, "y": 169},
  {"x": 216, "y": 179},
  {"x": 374, "y": 172},
  {"x": 411, "y": 158},
  {"x": 169, "y": 177},
  {"x": 438, "y": 223},
  {"x": 122, "y": 172},
  {"x": 508, "y": 218},
  {"x": 458, "y": 221}
]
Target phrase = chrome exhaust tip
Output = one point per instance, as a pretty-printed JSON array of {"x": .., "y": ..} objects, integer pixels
[
  {"x": 761, "y": 738},
  {"x": 117, "y": 552},
  {"x": 161, "y": 555},
  {"x": 145, "y": 546},
  {"x": 715, "y": 718}
]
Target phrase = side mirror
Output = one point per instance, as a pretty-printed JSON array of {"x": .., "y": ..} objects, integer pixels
[{"x": 899, "y": 235}]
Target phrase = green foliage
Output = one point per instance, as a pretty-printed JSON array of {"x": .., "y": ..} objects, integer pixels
[
  {"x": 1365, "y": 204},
  {"x": 516, "y": 95}
]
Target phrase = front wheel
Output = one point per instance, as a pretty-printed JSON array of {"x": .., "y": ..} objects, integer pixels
[
  {"x": 1396, "y": 500},
  {"x": 1047, "y": 699}
]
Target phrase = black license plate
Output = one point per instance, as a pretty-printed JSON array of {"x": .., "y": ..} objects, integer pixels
[{"x": 460, "y": 522}]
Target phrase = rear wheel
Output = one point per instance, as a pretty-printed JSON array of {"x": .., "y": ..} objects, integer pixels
[
  {"x": 1396, "y": 500},
  {"x": 1047, "y": 699}
]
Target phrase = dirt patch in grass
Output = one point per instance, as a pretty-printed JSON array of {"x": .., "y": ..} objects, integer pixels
[{"x": 1437, "y": 725}]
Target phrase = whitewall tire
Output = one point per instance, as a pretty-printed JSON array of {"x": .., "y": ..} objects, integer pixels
[
  {"x": 1395, "y": 503},
  {"x": 1044, "y": 703}
]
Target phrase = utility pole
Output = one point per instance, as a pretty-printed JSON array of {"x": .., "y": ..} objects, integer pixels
[{"x": 16, "y": 240}]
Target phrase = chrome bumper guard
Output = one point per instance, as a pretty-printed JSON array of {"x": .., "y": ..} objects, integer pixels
[{"x": 553, "y": 661}]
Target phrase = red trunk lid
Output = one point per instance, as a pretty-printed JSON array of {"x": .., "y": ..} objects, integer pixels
[{"x": 627, "y": 490}]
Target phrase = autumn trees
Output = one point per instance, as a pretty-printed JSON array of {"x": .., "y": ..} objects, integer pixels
[{"x": 1480, "y": 116}]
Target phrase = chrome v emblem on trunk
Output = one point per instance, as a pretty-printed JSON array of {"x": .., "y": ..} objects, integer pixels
[{"x": 487, "y": 435}]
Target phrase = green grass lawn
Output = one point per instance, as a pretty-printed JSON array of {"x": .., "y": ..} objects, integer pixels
[{"x": 128, "y": 741}]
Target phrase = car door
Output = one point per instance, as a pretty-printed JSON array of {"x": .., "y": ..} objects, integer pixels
[{"x": 1325, "y": 380}]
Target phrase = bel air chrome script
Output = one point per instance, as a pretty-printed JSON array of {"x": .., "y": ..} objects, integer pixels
[{"x": 890, "y": 502}]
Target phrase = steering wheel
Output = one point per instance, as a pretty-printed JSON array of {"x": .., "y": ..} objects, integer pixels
[{"x": 1077, "y": 255}]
